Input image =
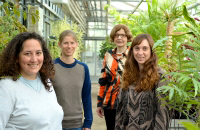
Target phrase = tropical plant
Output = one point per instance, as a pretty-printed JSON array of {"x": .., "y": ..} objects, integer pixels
[
  {"x": 181, "y": 64},
  {"x": 56, "y": 29},
  {"x": 9, "y": 22},
  {"x": 184, "y": 72}
]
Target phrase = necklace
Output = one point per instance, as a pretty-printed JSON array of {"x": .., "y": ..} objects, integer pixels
[
  {"x": 31, "y": 83},
  {"x": 119, "y": 54}
]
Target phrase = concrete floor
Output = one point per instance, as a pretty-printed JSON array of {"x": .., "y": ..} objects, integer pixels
[{"x": 98, "y": 123}]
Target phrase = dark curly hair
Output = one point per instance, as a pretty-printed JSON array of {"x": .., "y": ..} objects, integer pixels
[
  {"x": 119, "y": 27},
  {"x": 148, "y": 76},
  {"x": 9, "y": 67}
]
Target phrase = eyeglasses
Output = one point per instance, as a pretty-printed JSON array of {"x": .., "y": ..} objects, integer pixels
[{"x": 121, "y": 35}]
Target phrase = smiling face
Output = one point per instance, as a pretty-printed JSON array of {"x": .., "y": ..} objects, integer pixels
[
  {"x": 120, "y": 38},
  {"x": 68, "y": 46},
  {"x": 30, "y": 59},
  {"x": 142, "y": 52}
]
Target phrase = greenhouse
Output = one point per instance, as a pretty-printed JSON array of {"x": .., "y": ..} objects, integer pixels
[{"x": 174, "y": 26}]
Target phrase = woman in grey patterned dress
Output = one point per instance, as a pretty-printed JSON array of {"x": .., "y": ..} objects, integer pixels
[{"x": 139, "y": 105}]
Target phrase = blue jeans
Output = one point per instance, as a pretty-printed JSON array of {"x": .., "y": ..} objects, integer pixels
[{"x": 72, "y": 128}]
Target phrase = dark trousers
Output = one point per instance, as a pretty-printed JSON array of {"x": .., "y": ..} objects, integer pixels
[{"x": 110, "y": 118}]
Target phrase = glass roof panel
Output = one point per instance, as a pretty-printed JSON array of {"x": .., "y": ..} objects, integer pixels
[
  {"x": 128, "y": 6},
  {"x": 125, "y": 8},
  {"x": 121, "y": 6}
]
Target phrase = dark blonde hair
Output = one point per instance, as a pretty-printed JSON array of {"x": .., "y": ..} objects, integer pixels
[
  {"x": 119, "y": 27},
  {"x": 67, "y": 33},
  {"x": 146, "y": 78},
  {"x": 9, "y": 67}
]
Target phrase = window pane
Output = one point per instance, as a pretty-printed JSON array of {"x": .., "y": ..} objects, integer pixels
[{"x": 89, "y": 56}]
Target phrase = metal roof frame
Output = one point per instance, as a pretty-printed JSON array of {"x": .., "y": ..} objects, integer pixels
[{"x": 93, "y": 11}]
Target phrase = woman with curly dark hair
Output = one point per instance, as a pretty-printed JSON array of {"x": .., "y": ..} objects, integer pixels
[
  {"x": 27, "y": 97},
  {"x": 138, "y": 104}
]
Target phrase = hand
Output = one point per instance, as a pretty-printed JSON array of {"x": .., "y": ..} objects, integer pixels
[
  {"x": 86, "y": 129},
  {"x": 100, "y": 112}
]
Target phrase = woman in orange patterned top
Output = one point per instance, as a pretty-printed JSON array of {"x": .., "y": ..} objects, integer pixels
[{"x": 111, "y": 74}]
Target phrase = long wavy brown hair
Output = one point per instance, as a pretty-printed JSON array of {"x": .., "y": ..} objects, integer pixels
[
  {"x": 146, "y": 78},
  {"x": 9, "y": 67}
]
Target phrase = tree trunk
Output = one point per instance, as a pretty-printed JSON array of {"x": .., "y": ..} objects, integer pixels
[{"x": 169, "y": 30}]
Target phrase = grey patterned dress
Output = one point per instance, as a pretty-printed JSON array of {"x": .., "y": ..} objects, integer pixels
[{"x": 141, "y": 110}]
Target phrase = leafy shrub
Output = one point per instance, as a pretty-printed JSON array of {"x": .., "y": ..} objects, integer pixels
[{"x": 9, "y": 22}]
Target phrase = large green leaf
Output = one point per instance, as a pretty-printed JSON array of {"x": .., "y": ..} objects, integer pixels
[
  {"x": 14, "y": 10},
  {"x": 160, "y": 42},
  {"x": 178, "y": 45},
  {"x": 193, "y": 102},
  {"x": 179, "y": 33},
  {"x": 189, "y": 125},
  {"x": 149, "y": 10},
  {"x": 183, "y": 79},
  {"x": 24, "y": 14},
  {"x": 33, "y": 19},
  {"x": 171, "y": 93},
  {"x": 187, "y": 16},
  {"x": 196, "y": 86}
]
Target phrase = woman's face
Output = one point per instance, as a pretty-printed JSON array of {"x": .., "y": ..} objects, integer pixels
[
  {"x": 30, "y": 58},
  {"x": 142, "y": 52},
  {"x": 68, "y": 46},
  {"x": 120, "y": 38}
]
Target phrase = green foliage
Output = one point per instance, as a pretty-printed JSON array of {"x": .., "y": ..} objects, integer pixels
[
  {"x": 9, "y": 23},
  {"x": 189, "y": 126},
  {"x": 53, "y": 48},
  {"x": 57, "y": 28},
  {"x": 184, "y": 71},
  {"x": 105, "y": 46},
  {"x": 187, "y": 17}
]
